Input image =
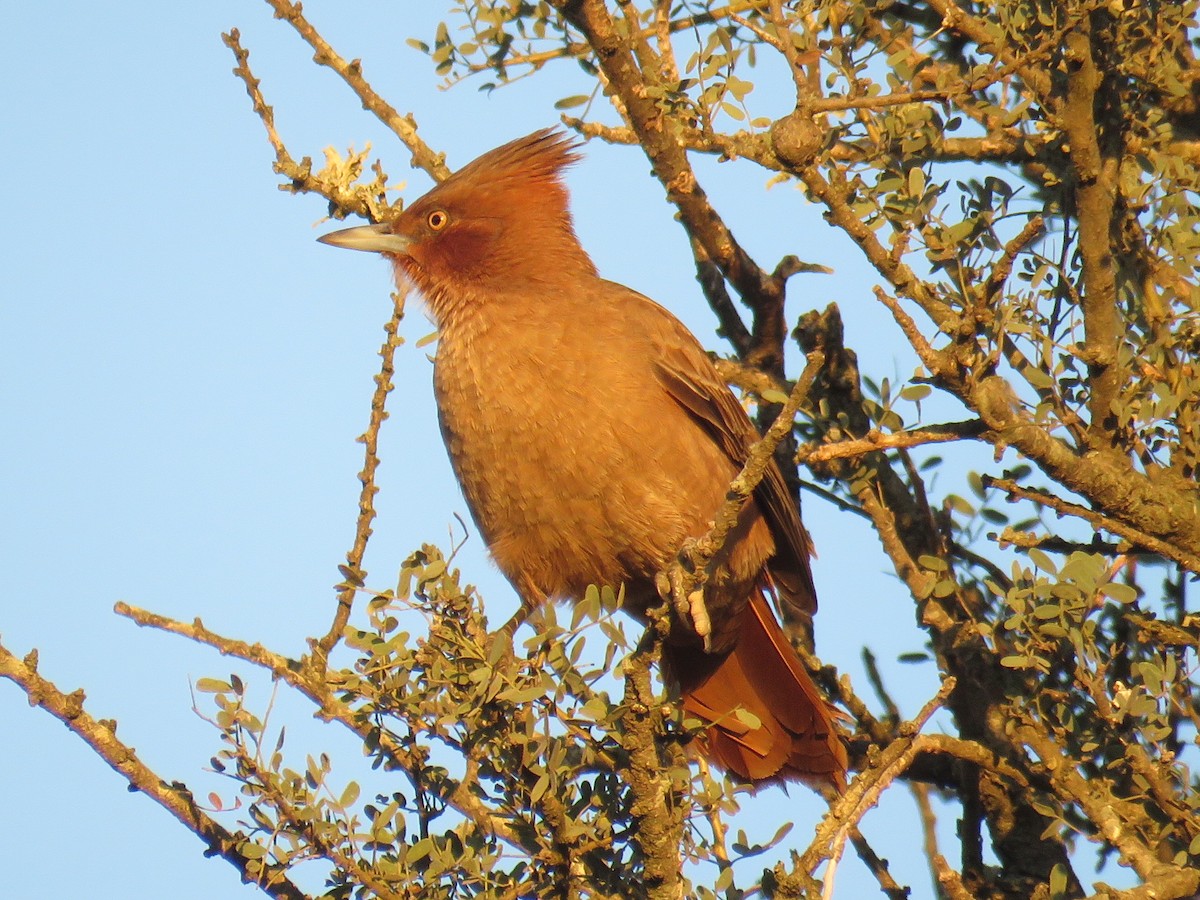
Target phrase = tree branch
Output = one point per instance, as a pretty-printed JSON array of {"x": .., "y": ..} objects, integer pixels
[
  {"x": 368, "y": 200},
  {"x": 862, "y": 794},
  {"x": 876, "y": 440},
  {"x": 1095, "y": 197},
  {"x": 311, "y": 682},
  {"x": 175, "y": 797},
  {"x": 404, "y": 127},
  {"x": 655, "y": 810},
  {"x": 668, "y": 158},
  {"x": 353, "y": 570},
  {"x": 1096, "y": 520}
]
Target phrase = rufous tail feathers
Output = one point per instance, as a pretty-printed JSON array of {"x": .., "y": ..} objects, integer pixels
[{"x": 794, "y": 738}]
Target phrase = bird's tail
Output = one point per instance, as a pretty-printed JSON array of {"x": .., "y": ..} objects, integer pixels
[{"x": 767, "y": 720}]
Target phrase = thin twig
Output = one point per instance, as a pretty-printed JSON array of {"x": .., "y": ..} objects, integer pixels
[
  {"x": 935, "y": 361},
  {"x": 404, "y": 127},
  {"x": 367, "y": 200},
  {"x": 864, "y": 792},
  {"x": 703, "y": 550},
  {"x": 875, "y": 678},
  {"x": 878, "y": 867},
  {"x": 355, "y": 866},
  {"x": 1003, "y": 267},
  {"x": 949, "y": 882},
  {"x": 877, "y": 440},
  {"x": 1097, "y": 520},
  {"x": 920, "y": 794},
  {"x": 785, "y": 45},
  {"x": 355, "y": 575},
  {"x": 174, "y": 797},
  {"x": 312, "y": 683}
]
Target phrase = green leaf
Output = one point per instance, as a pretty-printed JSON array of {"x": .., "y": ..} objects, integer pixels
[
  {"x": 540, "y": 788},
  {"x": 571, "y": 102},
  {"x": 733, "y": 112},
  {"x": 724, "y": 879},
  {"x": 994, "y": 516},
  {"x": 783, "y": 832},
  {"x": 595, "y": 709},
  {"x": 353, "y": 577},
  {"x": 932, "y": 563},
  {"x": 1058, "y": 881},
  {"x": 959, "y": 505},
  {"x": 747, "y": 718},
  {"x": 251, "y": 850},
  {"x": 419, "y": 851},
  {"x": 1122, "y": 593},
  {"x": 1042, "y": 561}
]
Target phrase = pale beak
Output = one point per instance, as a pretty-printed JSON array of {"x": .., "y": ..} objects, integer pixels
[{"x": 372, "y": 238}]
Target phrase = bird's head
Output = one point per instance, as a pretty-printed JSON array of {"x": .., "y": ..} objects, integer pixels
[{"x": 499, "y": 224}]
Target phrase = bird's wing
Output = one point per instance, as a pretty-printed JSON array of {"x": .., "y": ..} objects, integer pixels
[{"x": 688, "y": 375}]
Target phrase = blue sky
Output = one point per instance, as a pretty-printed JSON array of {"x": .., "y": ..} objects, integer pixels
[{"x": 185, "y": 370}]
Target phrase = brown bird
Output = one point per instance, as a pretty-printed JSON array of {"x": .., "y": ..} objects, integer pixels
[{"x": 592, "y": 436}]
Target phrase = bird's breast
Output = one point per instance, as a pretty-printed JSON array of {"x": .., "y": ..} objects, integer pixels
[{"x": 562, "y": 452}]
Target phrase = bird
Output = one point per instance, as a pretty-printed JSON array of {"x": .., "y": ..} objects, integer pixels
[{"x": 592, "y": 436}]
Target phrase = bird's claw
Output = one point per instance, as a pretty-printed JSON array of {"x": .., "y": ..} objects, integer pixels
[
  {"x": 700, "y": 620},
  {"x": 684, "y": 589}
]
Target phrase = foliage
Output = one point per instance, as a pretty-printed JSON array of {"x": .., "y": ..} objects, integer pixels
[
  {"x": 1021, "y": 176},
  {"x": 538, "y": 745}
]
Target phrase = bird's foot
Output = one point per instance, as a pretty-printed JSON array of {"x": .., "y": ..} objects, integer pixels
[{"x": 683, "y": 587}]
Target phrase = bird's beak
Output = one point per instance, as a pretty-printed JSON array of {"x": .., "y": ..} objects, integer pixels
[{"x": 372, "y": 238}]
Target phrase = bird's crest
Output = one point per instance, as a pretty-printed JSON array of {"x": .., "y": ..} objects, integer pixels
[
  {"x": 520, "y": 178},
  {"x": 536, "y": 158}
]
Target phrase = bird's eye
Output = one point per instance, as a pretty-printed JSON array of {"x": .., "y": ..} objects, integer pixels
[{"x": 437, "y": 220}]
